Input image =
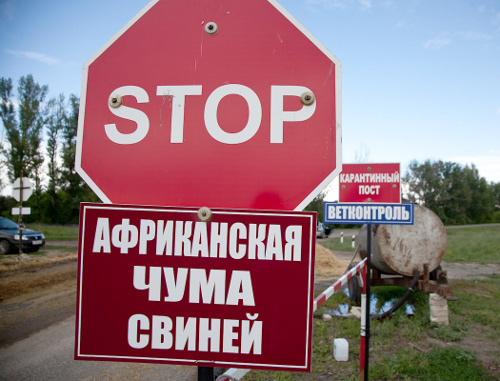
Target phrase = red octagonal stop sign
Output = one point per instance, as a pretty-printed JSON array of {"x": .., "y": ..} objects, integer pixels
[{"x": 219, "y": 103}]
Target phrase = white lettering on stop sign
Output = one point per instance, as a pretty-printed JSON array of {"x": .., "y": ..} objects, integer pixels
[
  {"x": 178, "y": 95},
  {"x": 254, "y": 114}
]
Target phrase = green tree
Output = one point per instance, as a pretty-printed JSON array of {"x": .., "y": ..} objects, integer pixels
[
  {"x": 456, "y": 193},
  {"x": 2, "y": 162},
  {"x": 495, "y": 190},
  {"x": 24, "y": 128},
  {"x": 55, "y": 122},
  {"x": 24, "y": 118},
  {"x": 69, "y": 134},
  {"x": 73, "y": 189},
  {"x": 316, "y": 205},
  {"x": 495, "y": 193}
]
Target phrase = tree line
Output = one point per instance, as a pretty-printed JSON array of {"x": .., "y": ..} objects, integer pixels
[
  {"x": 456, "y": 193},
  {"x": 29, "y": 119}
]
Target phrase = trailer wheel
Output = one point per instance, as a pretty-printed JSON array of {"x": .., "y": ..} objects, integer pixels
[
  {"x": 354, "y": 287},
  {"x": 433, "y": 275}
]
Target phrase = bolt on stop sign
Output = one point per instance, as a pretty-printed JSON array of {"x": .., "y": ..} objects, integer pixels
[{"x": 220, "y": 103}]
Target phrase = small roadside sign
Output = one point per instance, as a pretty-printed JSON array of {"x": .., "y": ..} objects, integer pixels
[
  {"x": 373, "y": 183},
  {"x": 26, "y": 189},
  {"x": 381, "y": 214},
  {"x": 195, "y": 286},
  {"x": 21, "y": 211}
]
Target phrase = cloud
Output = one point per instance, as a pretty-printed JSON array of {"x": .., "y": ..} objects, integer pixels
[
  {"x": 437, "y": 43},
  {"x": 40, "y": 57},
  {"x": 446, "y": 38},
  {"x": 365, "y": 4},
  {"x": 7, "y": 8},
  {"x": 487, "y": 164},
  {"x": 474, "y": 36},
  {"x": 496, "y": 18},
  {"x": 330, "y": 4},
  {"x": 327, "y": 3}
]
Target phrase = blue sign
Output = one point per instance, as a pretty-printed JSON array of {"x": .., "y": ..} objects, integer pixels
[{"x": 366, "y": 213}]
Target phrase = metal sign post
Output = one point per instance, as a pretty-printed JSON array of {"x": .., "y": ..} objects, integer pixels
[
  {"x": 22, "y": 188},
  {"x": 367, "y": 311},
  {"x": 205, "y": 373},
  {"x": 20, "y": 221}
]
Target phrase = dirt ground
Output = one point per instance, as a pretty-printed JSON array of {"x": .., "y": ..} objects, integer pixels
[
  {"x": 37, "y": 293},
  {"x": 45, "y": 287}
]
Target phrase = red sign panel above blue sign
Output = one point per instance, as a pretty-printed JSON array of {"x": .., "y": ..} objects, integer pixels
[{"x": 374, "y": 183}]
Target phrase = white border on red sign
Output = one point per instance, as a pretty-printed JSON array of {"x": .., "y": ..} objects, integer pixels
[
  {"x": 83, "y": 98},
  {"x": 187, "y": 361},
  {"x": 338, "y": 104},
  {"x": 297, "y": 24}
]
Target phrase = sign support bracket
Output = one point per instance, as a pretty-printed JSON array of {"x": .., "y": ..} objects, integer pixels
[
  {"x": 205, "y": 373},
  {"x": 20, "y": 221}
]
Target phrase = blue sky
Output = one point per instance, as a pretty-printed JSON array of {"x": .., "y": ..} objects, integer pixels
[{"x": 420, "y": 78}]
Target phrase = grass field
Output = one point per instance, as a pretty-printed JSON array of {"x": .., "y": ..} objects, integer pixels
[
  {"x": 56, "y": 232},
  {"x": 474, "y": 244},
  {"x": 465, "y": 244},
  {"x": 404, "y": 348},
  {"x": 335, "y": 245}
]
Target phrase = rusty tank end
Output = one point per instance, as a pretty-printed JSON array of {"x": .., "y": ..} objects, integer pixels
[{"x": 401, "y": 249}]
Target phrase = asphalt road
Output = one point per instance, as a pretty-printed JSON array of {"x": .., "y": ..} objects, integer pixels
[
  {"x": 37, "y": 338},
  {"x": 45, "y": 351},
  {"x": 48, "y": 355}
]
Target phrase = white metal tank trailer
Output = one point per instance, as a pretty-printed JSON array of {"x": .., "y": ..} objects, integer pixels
[{"x": 409, "y": 255}]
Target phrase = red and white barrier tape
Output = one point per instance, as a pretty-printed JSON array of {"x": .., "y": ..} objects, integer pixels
[
  {"x": 320, "y": 299},
  {"x": 234, "y": 374},
  {"x": 362, "y": 342}
]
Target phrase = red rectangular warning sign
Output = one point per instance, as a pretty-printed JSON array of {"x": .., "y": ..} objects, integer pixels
[
  {"x": 228, "y": 288},
  {"x": 375, "y": 183}
]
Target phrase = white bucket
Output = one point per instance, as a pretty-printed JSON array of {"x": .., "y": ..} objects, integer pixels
[{"x": 341, "y": 349}]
